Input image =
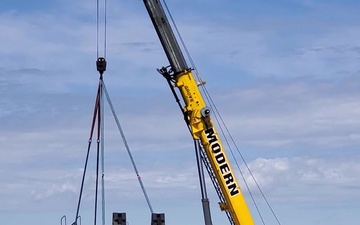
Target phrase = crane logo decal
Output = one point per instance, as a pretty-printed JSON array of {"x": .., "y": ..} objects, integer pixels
[
  {"x": 188, "y": 93},
  {"x": 222, "y": 164}
]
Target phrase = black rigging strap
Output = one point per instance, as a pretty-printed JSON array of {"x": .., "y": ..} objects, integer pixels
[{"x": 95, "y": 115}]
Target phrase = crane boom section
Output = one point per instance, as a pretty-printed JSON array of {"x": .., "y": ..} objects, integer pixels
[
  {"x": 202, "y": 128},
  {"x": 166, "y": 36},
  {"x": 197, "y": 115}
]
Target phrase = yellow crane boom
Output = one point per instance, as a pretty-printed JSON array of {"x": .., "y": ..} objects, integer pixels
[{"x": 198, "y": 117}]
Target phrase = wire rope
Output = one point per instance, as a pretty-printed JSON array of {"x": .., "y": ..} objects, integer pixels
[
  {"x": 101, "y": 64},
  {"x": 99, "y": 122},
  {"x": 97, "y": 177},
  {"x": 105, "y": 27},
  {"x": 101, "y": 27},
  {"x": 127, "y": 147},
  {"x": 102, "y": 139},
  {"x": 87, "y": 156},
  {"x": 201, "y": 81}
]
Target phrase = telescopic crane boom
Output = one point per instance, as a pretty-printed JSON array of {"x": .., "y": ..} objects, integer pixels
[{"x": 197, "y": 116}]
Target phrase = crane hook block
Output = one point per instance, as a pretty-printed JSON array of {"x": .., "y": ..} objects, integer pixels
[{"x": 101, "y": 65}]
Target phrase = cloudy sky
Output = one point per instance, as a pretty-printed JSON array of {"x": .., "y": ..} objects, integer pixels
[{"x": 285, "y": 76}]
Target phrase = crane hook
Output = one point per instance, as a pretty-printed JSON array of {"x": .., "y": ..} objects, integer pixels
[{"x": 101, "y": 65}]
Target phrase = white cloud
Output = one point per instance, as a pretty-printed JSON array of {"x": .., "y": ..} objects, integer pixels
[
  {"x": 305, "y": 179},
  {"x": 297, "y": 113},
  {"x": 54, "y": 190}
]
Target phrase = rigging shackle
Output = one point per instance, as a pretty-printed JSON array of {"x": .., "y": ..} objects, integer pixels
[{"x": 101, "y": 65}]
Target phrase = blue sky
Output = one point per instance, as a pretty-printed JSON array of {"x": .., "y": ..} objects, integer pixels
[{"x": 284, "y": 75}]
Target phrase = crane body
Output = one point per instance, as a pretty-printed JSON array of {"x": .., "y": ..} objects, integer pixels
[{"x": 198, "y": 116}]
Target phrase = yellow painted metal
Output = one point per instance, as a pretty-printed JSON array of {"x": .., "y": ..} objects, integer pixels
[{"x": 202, "y": 128}]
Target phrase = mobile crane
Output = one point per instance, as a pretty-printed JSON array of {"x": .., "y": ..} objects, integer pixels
[{"x": 198, "y": 119}]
